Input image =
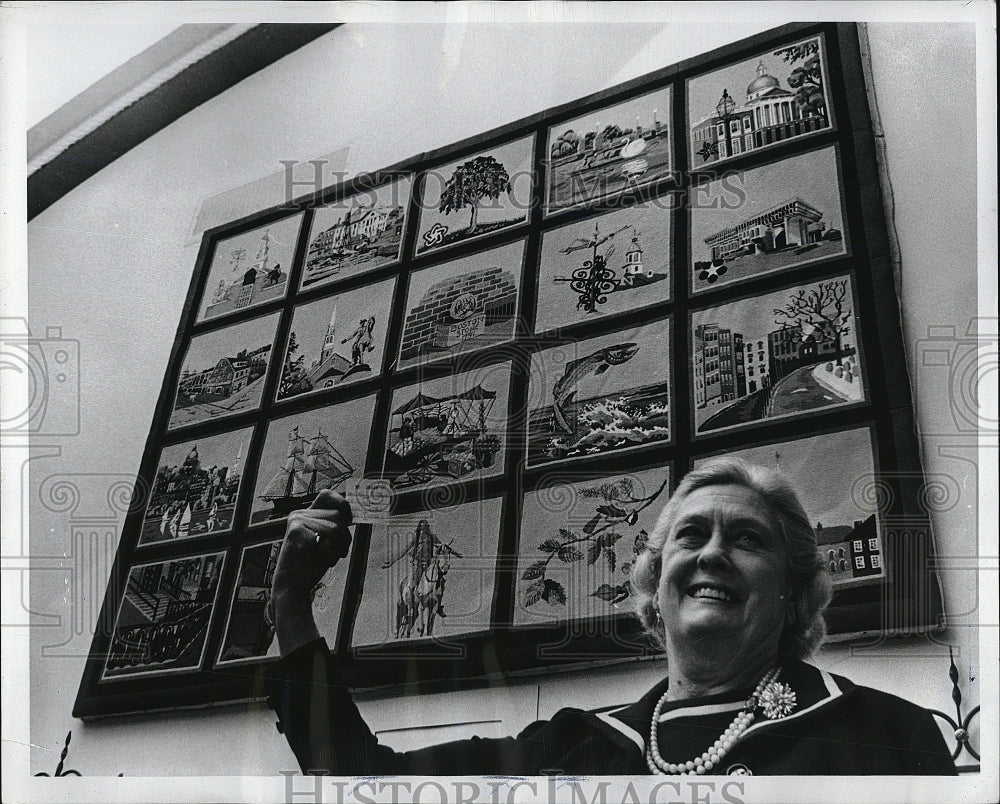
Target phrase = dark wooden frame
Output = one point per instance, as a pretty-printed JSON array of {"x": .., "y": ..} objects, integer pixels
[{"x": 908, "y": 601}]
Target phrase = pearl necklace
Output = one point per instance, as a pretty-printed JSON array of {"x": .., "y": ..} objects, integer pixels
[{"x": 713, "y": 756}]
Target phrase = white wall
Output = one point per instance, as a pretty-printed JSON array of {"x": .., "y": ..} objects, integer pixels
[{"x": 108, "y": 265}]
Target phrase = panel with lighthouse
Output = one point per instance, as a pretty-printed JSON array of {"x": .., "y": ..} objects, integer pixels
[
  {"x": 309, "y": 452},
  {"x": 250, "y": 269},
  {"x": 195, "y": 489},
  {"x": 786, "y": 96},
  {"x": 602, "y": 266},
  {"x": 336, "y": 341}
]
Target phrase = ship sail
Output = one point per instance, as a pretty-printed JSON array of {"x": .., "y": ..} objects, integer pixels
[{"x": 311, "y": 466}]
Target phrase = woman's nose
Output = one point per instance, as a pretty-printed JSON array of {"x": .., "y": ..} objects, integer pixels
[{"x": 714, "y": 552}]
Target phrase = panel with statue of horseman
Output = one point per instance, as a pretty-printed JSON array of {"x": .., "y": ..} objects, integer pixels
[
  {"x": 309, "y": 452},
  {"x": 430, "y": 574},
  {"x": 462, "y": 305},
  {"x": 337, "y": 340},
  {"x": 195, "y": 488},
  {"x": 164, "y": 616},
  {"x": 250, "y": 269},
  {"x": 598, "y": 267},
  {"x": 448, "y": 429}
]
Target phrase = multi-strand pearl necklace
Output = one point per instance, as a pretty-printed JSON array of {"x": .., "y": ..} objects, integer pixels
[{"x": 711, "y": 757}]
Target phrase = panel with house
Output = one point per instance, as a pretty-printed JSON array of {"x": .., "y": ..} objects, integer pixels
[
  {"x": 195, "y": 488},
  {"x": 769, "y": 219},
  {"x": 785, "y": 97},
  {"x": 449, "y": 429},
  {"x": 309, "y": 452},
  {"x": 475, "y": 196},
  {"x": 461, "y": 306},
  {"x": 164, "y": 616},
  {"x": 579, "y": 540},
  {"x": 357, "y": 235},
  {"x": 600, "y": 395},
  {"x": 224, "y": 372},
  {"x": 604, "y": 153},
  {"x": 783, "y": 354},
  {"x": 430, "y": 574},
  {"x": 828, "y": 471},
  {"x": 611, "y": 264},
  {"x": 336, "y": 341},
  {"x": 251, "y": 268}
]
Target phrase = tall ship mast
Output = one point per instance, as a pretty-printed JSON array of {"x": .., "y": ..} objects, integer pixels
[{"x": 311, "y": 466}]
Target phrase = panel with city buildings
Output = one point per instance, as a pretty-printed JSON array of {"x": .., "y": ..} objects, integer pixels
[
  {"x": 782, "y": 354},
  {"x": 223, "y": 372},
  {"x": 475, "y": 196},
  {"x": 597, "y": 268},
  {"x": 337, "y": 340},
  {"x": 196, "y": 487},
  {"x": 766, "y": 220},
  {"x": 601, "y": 154},
  {"x": 778, "y": 95},
  {"x": 358, "y": 234},
  {"x": 250, "y": 269}
]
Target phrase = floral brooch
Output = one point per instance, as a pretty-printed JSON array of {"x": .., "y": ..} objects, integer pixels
[{"x": 777, "y": 700}]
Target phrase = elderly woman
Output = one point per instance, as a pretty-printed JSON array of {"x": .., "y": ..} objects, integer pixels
[{"x": 730, "y": 584}]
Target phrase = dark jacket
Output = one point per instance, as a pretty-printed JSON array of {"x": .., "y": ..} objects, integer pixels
[{"x": 837, "y": 728}]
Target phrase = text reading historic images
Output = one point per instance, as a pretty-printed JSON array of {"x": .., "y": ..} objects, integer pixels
[
  {"x": 430, "y": 574},
  {"x": 835, "y": 476},
  {"x": 602, "y": 266},
  {"x": 449, "y": 429},
  {"x": 600, "y": 395},
  {"x": 357, "y": 235},
  {"x": 195, "y": 488},
  {"x": 249, "y": 634},
  {"x": 310, "y": 452},
  {"x": 786, "y": 97},
  {"x": 250, "y": 269},
  {"x": 578, "y": 543},
  {"x": 472, "y": 197},
  {"x": 223, "y": 372},
  {"x": 608, "y": 151},
  {"x": 767, "y": 219},
  {"x": 336, "y": 341},
  {"x": 164, "y": 616},
  {"x": 783, "y": 354},
  {"x": 463, "y": 305}
]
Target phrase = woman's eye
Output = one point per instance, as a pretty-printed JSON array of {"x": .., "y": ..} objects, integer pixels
[
  {"x": 687, "y": 534},
  {"x": 749, "y": 537}
]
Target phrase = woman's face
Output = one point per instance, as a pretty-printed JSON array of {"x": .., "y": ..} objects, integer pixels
[{"x": 724, "y": 582}]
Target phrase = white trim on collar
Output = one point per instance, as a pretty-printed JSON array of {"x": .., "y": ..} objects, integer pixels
[
  {"x": 831, "y": 687},
  {"x": 703, "y": 709},
  {"x": 617, "y": 725}
]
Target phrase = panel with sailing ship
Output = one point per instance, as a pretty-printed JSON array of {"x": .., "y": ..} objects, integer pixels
[
  {"x": 448, "y": 429},
  {"x": 250, "y": 269},
  {"x": 164, "y": 617},
  {"x": 309, "y": 452},
  {"x": 195, "y": 488},
  {"x": 430, "y": 575},
  {"x": 599, "y": 267},
  {"x": 337, "y": 341}
]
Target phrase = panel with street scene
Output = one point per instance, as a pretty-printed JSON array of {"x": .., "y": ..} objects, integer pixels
[
  {"x": 786, "y": 97},
  {"x": 430, "y": 574},
  {"x": 782, "y": 354},
  {"x": 766, "y": 220},
  {"x": 461, "y": 306},
  {"x": 603, "y": 153},
  {"x": 309, "y": 452},
  {"x": 164, "y": 616},
  {"x": 358, "y": 234},
  {"x": 224, "y": 372},
  {"x": 475, "y": 196},
  {"x": 448, "y": 429},
  {"x": 603, "y": 266},
  {"x": 579, "y": 540},
  {"x": 600, "y": 395},
  {"x": 250, "y": 269},
  {"x": 195, "y": 488},
  {"x": 834, "y": 475},
  {"x": 337, "y": 340}
]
